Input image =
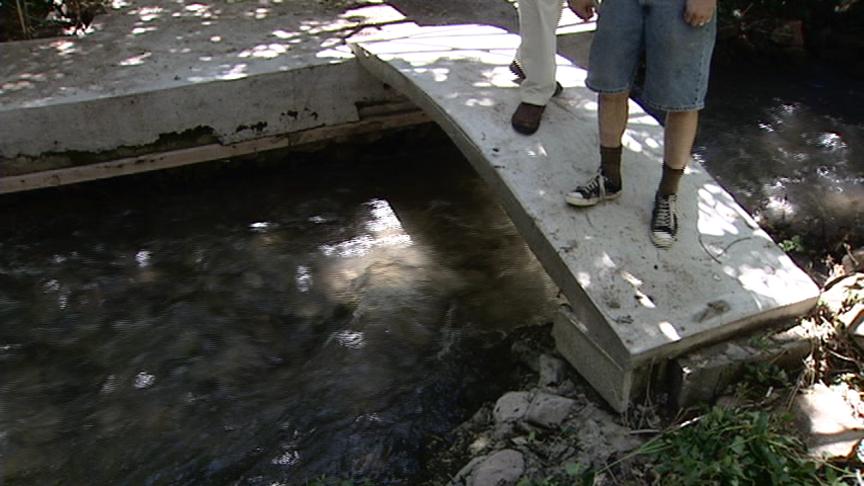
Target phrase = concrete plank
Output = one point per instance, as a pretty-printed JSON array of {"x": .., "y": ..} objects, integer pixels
[
  {"x": 636, "y": 302},
  {"x": 238, "y": 71}
]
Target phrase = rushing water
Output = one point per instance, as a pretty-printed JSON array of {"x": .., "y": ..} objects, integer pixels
[
  {"x": 256, "y": 326},
  {"x": 789, "y": 144}
]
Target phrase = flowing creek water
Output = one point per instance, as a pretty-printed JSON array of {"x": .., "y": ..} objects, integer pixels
[
  {"x": 788, "y": 143},
  {"x": 263, "y": 325},
  {"x": 272, "y": 324}
]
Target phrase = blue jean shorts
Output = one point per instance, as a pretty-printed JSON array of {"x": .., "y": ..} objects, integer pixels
[{"x": 677, "y": 55}]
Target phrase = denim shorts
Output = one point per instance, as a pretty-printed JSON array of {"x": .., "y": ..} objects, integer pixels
[{"x": 677, "y": 55}]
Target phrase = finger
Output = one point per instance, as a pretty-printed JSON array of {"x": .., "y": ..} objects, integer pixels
[{"x": 688, "y": 17}]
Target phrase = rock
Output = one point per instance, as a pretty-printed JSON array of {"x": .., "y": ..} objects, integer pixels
[
  {"x": 840, "y": 292},
  {"x": 854, "y": 261},
  {"x": 503, "y": 468},
  {"x": 462, "y": 477},
  {"x": 548, "y": 410},
  {"x": 853, "y": 320},
  {"x": 600, "y": 436},
  {"x": 552, "y": 370},
  {"x": 511, "y": 407},
  {"x": 831, "y": 428}
]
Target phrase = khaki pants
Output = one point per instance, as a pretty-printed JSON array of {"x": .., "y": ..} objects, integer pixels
[{"x": 538, "y": 20}]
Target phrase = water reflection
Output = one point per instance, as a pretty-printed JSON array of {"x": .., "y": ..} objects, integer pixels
[
  {"x": 788, "y": 144},
  {"x": 254, "y": 328}
]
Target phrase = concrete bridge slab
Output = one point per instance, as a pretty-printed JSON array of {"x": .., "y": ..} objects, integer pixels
[
  {"x": 631, "y": 304},
  {"x": 219, "y": 73}
]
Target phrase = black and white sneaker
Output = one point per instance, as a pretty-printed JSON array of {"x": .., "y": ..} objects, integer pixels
[
  {"x": 597, "y": 189},
  {"x": 664, "y": 221}
]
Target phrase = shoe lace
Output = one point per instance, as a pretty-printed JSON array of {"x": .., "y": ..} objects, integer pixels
[
  {"x": 663, "y": 212},
  {"x": 596, "y": 186}
]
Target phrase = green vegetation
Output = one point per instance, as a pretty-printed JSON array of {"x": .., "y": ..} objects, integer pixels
[
  {"x": 792, "y": 244},
  {"x": 728, "y": 446}
]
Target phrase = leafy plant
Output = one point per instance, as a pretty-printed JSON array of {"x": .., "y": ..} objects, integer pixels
[
  {"x": 793, "y": 244},
  {"x": 733, "y": 447}
]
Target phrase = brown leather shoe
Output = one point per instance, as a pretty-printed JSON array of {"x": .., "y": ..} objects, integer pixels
[{"x": 526, "y": 118}]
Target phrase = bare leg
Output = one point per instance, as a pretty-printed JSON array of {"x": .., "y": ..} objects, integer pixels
[{"x": 678, "y": 137}]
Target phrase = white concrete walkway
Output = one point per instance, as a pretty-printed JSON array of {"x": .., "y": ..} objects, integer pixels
[
  {"x": 228, "y": 71},
  {"x": 631, "y": 303}
]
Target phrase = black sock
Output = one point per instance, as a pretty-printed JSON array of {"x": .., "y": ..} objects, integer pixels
[
  {"x": 610, "y": 164},
  {"x": 670, "y": 180}
]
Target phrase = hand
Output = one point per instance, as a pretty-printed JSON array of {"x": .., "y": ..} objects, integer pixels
[
  {"x": 699, "y": 12},
  {"x": 584, "y": 9}
]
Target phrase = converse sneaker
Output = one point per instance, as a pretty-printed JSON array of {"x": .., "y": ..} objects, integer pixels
[
  {"x": 596, "y": 190},
  {"x": 664, "y": 221}
]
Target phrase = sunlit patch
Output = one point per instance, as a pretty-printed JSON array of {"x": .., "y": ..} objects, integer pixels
[
  {"x": 630, "y": 278},
  {"x": 630, "y": 143},
  {"x": 350, "y": 339},
  {"x": 383, "y": 217},
  {"x": 143, "y": 30},
  {"x": 264, "y": 51},
  {"x": 143, "y": 258},
  {"x": 669, "y": 330},
  {"x": 135, "y": 60},
  {"x": 780, "y": 207},
  {"x": 289, "y": 458},
  {"x": 766, "y": 127},
  {"x": 146, "y": 14},
  {"x": 317, "y": 220},
  {"x": 196, "y": 8},
  {"x": 584, "y": 279},
  {"x": 144, "y": 380},
  {"x": 480, "y": 102},
  {"x": 303, "y": 279},
  {"x": 831, "y": 141},
  {"x": 260, "y": 226},
  {"x": 236, "y": 72},
  {"x": 354, "y": 247},
  {"x": 281, "y": 34},
  {"x": 118, "y": 4},
  {"x": 18, "y": 85},
  {"x": 64, "y": 47},
  {"x": 259, "y": 13},
  {"x": 606, "y": 261},
  {"x": 716, "y": 218},
  {"x": 537, "y": 151}
]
